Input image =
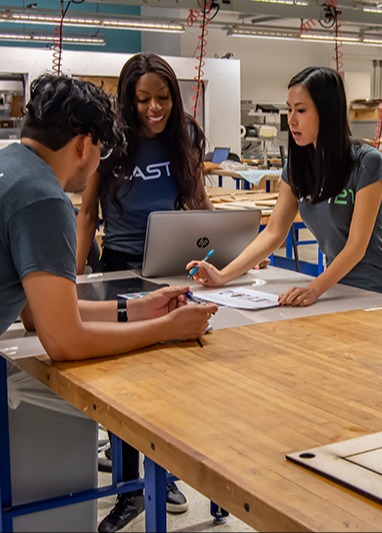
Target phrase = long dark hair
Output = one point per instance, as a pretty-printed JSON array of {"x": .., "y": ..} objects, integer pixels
[
  {"x": 182, "y": 136},
  {"x": 321, "y": 172}
]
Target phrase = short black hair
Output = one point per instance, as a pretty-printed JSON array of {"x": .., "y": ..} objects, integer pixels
[{"x": 61, "y": 107}]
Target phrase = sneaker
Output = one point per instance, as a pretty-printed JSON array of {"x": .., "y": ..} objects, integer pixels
[
  {"x": 126, "y": 508},
  {"x": 176, "y": 501}
]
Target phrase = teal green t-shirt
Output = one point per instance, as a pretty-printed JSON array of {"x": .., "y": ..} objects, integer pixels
[{"x": 329, "y": 221}]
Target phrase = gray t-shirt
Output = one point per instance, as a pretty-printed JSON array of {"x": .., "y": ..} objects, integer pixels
[
  {"x": 37, "y": 227},
  {"x": 330, "y": 220}
]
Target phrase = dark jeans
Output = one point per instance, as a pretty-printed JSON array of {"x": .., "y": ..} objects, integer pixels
[{"x": 110, "y": 261}]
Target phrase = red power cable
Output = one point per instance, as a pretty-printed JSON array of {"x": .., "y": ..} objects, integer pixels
[
  {"x": 57, "y": 37},
  {"x": 334, "y": 20},
  {"x": 57, "y": 48},
  {"x": 335, "y": 12},
  {"x": 308, "y": 25},
  {"x": 193, "y": 17},
  {"x": 378, "y": 129}
]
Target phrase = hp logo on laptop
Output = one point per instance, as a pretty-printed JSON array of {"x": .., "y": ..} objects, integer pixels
[{"x": 202, "y": 242}]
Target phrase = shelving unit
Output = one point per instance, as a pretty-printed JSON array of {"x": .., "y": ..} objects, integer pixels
[{"x": 12, "y": 102}]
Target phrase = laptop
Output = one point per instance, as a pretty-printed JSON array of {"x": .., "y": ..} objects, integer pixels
[
  {"x": 219, "y": 155},
  {"x": 173, "y": 238}
]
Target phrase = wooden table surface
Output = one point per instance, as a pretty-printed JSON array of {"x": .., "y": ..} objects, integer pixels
[{"x": 223, "y": 417}]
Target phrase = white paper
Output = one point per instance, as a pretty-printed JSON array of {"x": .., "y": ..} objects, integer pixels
[{"x": 239, "y": 297}]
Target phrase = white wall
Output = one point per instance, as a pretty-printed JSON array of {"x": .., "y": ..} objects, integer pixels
[
  {"x": 222, "y": 98},
  {"x": 358, "y": 85},
  {"x": 268, "y": 65},
  {"x": 260, "y": 70}
]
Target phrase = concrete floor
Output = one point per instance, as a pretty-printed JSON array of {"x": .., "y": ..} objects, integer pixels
[{"x": 197, "y": 518}]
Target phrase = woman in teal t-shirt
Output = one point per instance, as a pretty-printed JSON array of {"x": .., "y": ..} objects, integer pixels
[{"x": 334, "y": 181}]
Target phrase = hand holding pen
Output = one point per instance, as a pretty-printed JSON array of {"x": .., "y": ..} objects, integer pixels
[
  {"x": 205, "y": 273},
  {"x": 194, "y": 270},
  {"x": 195, "y": 300}
]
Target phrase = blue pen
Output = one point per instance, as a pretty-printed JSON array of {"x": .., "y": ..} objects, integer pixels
[
  {"x": 196, "y": 300},
  {"x": 193, "y": 298},
  {"x": 194, "y": 270}
]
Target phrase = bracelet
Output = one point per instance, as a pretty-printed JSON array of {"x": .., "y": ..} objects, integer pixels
[{"x": 122, "y": 310}]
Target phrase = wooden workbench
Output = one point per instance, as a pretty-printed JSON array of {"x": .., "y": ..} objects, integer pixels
[{"x": 223, "y": 417}]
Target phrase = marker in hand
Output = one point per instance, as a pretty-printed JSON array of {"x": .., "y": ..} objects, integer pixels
[
  {"x": 194, "y": 270},
  {"x": 195, "y": 300}
]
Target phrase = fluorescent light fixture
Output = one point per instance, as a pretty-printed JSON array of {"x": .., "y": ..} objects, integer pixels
[
  {"x": 372, "y": 10},
  {"x": 19, "y": 17},
  {"x": 143, "y": 26},
  {"x": 283, "y": 2},
  {"x": 260, "y": 34},
  {"x": 41, "y": 38},
  {"x": 329, "y": 38},
  {"x": 297, "y": 36},
  {"x": 372, "y": 42}
]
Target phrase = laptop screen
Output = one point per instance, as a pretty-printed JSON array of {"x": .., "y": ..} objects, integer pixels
[
  {"x": 174, "y": 238},
  {"x": 219, "y": 155}
]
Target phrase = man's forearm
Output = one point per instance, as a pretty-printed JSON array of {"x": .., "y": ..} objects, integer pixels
[{"x": 27, "y": 318}]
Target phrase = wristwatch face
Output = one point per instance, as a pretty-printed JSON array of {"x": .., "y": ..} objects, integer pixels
[{"x": 122, "y": 310}]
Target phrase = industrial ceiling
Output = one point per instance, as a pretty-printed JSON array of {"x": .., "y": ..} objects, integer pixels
[{"x": 353, "y": 19}]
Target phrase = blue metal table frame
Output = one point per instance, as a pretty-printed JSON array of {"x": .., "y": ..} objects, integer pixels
[
  {"x": 154, "y": 481},
  {"x": 291, "y": 260},
  {"x": 243, "y": 184}
]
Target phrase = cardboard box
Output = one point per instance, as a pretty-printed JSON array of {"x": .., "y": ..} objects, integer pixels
[
  {"x": 363, "y": 114},
  {"x": 365, "y": 109},
  {"x": 17, "y": 105}
]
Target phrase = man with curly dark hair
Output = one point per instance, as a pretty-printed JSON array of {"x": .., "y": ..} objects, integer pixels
[{"x": 68, "y": 123}]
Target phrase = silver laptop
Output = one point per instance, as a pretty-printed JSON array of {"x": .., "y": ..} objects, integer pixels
[{"x": 173, "y": 238}]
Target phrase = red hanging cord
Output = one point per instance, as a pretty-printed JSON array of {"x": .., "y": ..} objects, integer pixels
[
  {"x": 193, "y": 17},
  {"x": 331, "y": 20},
  {"x": 307, "y": 25},
  {"x": 378, "y": 129},
  {"x": 334, "y": 12},
  {"x": 57, "y": 49},
  {"x": 57, "y": 37},
  {"x": 57, "y": 41}
]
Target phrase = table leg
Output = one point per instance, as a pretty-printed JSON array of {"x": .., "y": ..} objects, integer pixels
[
  {"x": 320, "y": 262},
  {"x": 218, "y": 513},
  {"x": 116, "y": 463},
  {"x": 291, "y": 244},
  {"x": 6, "y": 522},
  {"x": 155, "y": 497}
]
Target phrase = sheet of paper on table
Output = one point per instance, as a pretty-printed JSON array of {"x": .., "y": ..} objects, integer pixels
[{"x": 239, "y": 297}]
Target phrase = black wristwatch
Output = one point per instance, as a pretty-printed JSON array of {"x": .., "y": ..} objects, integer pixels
[{"x": 122, "y": 310}]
